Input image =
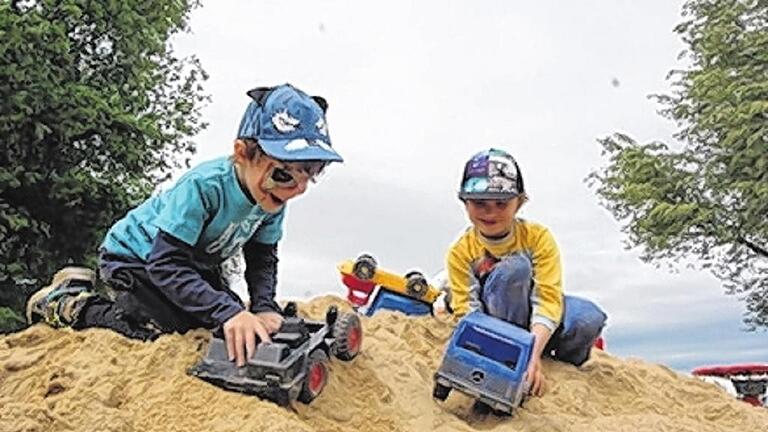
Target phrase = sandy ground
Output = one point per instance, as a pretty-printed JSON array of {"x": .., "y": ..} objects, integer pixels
[{"x": 95, "y": 380}]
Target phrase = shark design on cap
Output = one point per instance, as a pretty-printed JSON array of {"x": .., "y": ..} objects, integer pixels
[{"x": 288, "y": 124}]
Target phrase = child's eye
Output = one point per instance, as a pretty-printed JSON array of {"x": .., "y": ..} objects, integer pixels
[
  {"x": 479, "y": 204},
  {"x": 281, "y": 175}
]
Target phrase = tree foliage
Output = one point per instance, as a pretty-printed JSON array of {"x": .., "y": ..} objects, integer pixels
[
  {"x": 10, "y": 320},
  {"x": 95, "y": 109},
  {"x": 707, "y": 200}
]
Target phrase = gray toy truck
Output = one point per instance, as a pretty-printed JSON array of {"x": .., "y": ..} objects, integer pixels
[{"x": 291, "y": 367}]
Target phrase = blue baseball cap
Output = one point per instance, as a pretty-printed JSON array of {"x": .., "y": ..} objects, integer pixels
[
  {"x": 491, "y": 174},
  {"x": 288, "y": 124}
]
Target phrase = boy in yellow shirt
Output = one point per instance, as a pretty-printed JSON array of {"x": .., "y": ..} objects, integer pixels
[{"x": 510, "y": 268}]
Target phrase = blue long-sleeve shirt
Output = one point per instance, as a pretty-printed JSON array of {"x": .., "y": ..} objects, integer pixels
[{"x": 199, "y": 222}]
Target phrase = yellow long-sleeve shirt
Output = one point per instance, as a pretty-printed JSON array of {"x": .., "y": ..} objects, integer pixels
[{"x": 530, "y": 238}]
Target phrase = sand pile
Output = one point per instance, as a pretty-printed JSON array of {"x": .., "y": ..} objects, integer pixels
[{"x": 95, "y": 380}]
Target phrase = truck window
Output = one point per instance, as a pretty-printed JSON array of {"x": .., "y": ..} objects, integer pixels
[{"x": 490, "y": 345}]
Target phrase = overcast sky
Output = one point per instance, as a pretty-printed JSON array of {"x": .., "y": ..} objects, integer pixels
[{"x": 415, "y": 88}]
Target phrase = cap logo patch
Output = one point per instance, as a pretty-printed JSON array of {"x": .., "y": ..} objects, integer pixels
[
  {"x": 284, "y": 123},
  {"x": 502, "y": 176}
]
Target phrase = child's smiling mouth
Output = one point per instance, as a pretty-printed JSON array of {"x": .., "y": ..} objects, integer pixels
[{"x": 276, "y": 200}]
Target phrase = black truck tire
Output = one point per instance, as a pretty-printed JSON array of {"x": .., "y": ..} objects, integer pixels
[
  {"x": 348, "y": 333},
  {"x": 364, "y": 267},
  {"x": 440, "y": 392},
  {"x": 416, "y": 284},
  {"x": 317, "y": 376}
]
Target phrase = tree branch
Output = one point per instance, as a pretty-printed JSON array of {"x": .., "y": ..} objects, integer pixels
[{"x": 753, "y": 247}]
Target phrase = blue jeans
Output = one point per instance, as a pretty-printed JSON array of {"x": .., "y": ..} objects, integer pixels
[{"x": 506, "y": 294}]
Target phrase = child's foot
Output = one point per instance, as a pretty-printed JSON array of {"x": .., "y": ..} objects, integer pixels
[{"x": 59, "y": 303}]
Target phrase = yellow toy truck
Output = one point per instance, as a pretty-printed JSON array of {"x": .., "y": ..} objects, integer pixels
[{"x": 410, "y": 294}]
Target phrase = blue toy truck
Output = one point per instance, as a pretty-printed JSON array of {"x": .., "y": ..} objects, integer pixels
[{"x": 487, "y": 359}]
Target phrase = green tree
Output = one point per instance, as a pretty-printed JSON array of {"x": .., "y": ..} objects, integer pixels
[
  {"x": 705, "y": 200},
  {"x": 10, "y": 320},
  {"x": 95, "y": 110}
]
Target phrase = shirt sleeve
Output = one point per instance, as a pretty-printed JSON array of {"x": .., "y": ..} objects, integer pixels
[
  {"x": 170, "y": 268},
  {"x": 463, "y": 285},
  {"x": 261, "y": 275},
  {"x": 185, "y": 211},
  {"x": 547, "y": 297}
]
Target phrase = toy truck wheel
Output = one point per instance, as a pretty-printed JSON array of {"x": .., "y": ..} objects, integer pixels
[
  {"x": 290, "y": 309},
  {"x": 481, "y": 408},
  {"x": 331, "y": 315},
  {"x": 349, "y": 336},
  {"x": 364, "y": 267},
  {"x": 317, "y": 376},
  {"x": 440, "y": 392},
  {"x": 416, "y": 284}
]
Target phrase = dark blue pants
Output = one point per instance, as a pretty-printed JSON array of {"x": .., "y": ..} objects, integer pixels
[
  {"x": 506, "y": 294},
  {"x": 137, "y": 310}
]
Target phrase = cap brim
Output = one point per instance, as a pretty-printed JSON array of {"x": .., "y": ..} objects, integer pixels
[
  {"x": 297, "y": 150},
  {"x": 487, "y": 195}
]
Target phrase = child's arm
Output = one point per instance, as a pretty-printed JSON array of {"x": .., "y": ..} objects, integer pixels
[
  {"x": 535, "y": 377},
  {"x": 462, "y": 283},
  {"x": 171, "y": 269},
  {"x": 261, "y": 275},
  {"x": 547, "y": 296},
  {"x": 547, "y": 304},
  {"x": 260, "y": 253}
]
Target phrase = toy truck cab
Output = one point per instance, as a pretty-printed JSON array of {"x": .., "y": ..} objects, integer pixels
[{"x": 487, "y": 359}]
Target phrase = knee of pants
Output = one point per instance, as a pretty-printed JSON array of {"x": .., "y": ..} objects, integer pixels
[
  {"x": 509, "y": 282},
  {"x": 574, "y": 345},
  {"x": 515, "y": 267},
  {"x": 583, "y": 317},
  {"x": 575, "y": 355}
]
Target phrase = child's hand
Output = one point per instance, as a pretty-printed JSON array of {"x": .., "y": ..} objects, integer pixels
[
  {"x": 241, "y": 331},
  {"x": 271, "y": 320},
  {"x": 534, "y": 377}
]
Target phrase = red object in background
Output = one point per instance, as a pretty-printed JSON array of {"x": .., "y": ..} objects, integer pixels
[
  {"x": 752, "y": 400},
  {"x": 600, "y": 343},
  {"x": 749, "y": 380},
  {"x": 359, "y": 291},
  {"x": 726, "y": 371}
]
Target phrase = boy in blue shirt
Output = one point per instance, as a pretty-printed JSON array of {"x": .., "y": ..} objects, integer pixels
[{"x": 162, "y": 260}]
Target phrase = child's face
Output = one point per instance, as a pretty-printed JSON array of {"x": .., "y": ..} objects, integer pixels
[
  {"x": 492, "y": 217},
  {"x": 271, "y": 182}
]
